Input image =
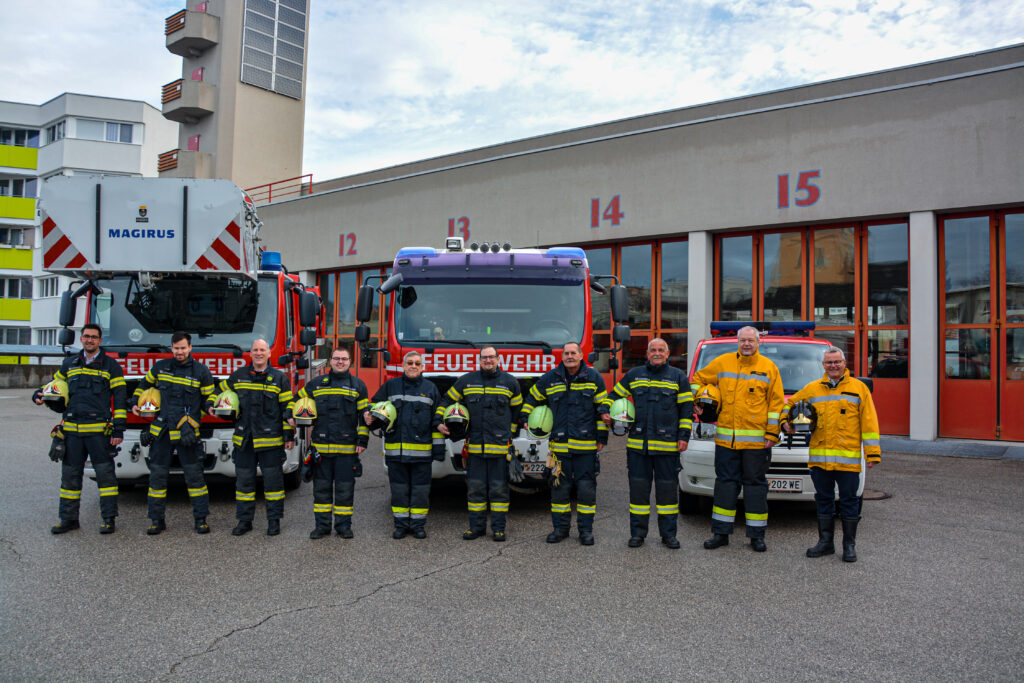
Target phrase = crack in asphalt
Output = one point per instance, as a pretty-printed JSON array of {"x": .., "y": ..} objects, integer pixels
[
  {"x": 219, "y": 639},
  {"x": 13, "y": 548}
]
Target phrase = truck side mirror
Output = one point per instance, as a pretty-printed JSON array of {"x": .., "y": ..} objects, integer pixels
[
  {"x": 301, "y": 363},
  {"x": 307, "y": 337},
  {"x": 362, "y": 333},
  {"x": 68, "y": 306},
  {"x": 620, "y": 304},
  {"x": 621, "y": 333},
  {"x": 309, "y": 308},
  {"x": 66, "y": 337},
  {"x": 364, "y": 303},
  {"x": 391, "y": 284}
]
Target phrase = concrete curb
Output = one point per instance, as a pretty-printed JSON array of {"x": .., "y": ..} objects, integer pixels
[{"x": 956, "y": 449}]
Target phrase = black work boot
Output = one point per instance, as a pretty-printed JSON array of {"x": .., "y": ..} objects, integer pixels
[
  {"x": 558, "y": 535},
  {"x": 243, "y": 527},
  {"x": 716, "y": 541},
  {"x": 156, "y": 526},
  {"x": 400, "y": 532},
  {"x": 64, "y": 526},
  {"x": 826, "y": 533},
  {"x": 319, "y": 532},
  {"x": 345, "y": 531},
  {"x": 419, "y": 532},
  {"x": 586, "y": 537},
  {"x": 850, "y": 539},
  {"x": 670, "y": 542},
  {"x": 635, "y": 541},
  {"x": 108, "y": 525},
  {"x": 273, "y": 527},
  {"x": 201, "y": 526}
]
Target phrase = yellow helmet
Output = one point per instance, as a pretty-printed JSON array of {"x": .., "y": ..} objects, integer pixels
[
  {"x": 55, "y": 390},
  {"x": 304, "y": 411},
  {"x": 226, "y": 404},
  {"x": 709, "y": 398},
  {"x": 149, "y": 402}
]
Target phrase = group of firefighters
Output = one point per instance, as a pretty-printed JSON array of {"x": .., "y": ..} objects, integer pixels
[{"x": 653, "y": 405}]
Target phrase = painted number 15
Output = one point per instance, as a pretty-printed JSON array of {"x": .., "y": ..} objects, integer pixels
[{"x": 806, "y": 192}]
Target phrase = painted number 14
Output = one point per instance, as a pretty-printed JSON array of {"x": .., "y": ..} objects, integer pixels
[{"x": 611, "y": 212}]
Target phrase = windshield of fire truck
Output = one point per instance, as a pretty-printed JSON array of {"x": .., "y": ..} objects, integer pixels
[
  {"x": 490, "y": 313},
  {"x": 229, "y": 311}
]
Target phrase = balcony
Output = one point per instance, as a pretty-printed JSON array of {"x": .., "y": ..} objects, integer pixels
[
  {"x": 188, "y": 101},
  {"x": 190, "y": 33},
  {"x": 12, "y": 156},
  {"x": 22, "y": 208},
  {"x": 182, "y": 163}
]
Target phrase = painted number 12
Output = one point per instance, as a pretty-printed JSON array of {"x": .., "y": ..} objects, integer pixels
[{"x": 806, "y": 192}]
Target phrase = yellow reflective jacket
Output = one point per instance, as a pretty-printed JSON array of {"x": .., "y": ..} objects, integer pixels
[
  {"x": 752, "y": 399},
  {"x": 846, "y": 421}
]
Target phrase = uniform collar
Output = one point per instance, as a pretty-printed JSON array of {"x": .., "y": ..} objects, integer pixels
[{"x": 828, "y": 382}]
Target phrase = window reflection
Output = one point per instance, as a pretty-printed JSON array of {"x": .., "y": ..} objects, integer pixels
[
  {"x": 888, "y": 301},
  {"x": 736, "y": 278},
  {"x": 347, "y": 292},
  {"x": 968, "y": 354},
  {"x": 676, "y": 349},
  {"x": 674, "y": 283},
  {"x": 636, "y": 276},
  {"x": 968, "y": 293},
  {"x": 600, "y": 262},
  {"x": 888, "y": 353},
  {"x": 783, "y": 276},
  {"x": 1015, "y": 353},
  {"x": 834, "y": 270},
  {"x": 1015, "y": 268}
]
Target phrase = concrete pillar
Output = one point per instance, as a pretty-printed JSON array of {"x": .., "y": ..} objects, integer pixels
[
  {"x": 701, "y": 290},
  {"x": 925, "y": 345}
]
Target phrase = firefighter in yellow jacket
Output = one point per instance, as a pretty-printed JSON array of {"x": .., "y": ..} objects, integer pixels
[
  {"x": 748, "y": 427},
  {"x": 845, "y": 421}
]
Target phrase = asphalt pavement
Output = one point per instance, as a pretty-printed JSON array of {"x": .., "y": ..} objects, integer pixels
[{"x": 935, "y": 595}]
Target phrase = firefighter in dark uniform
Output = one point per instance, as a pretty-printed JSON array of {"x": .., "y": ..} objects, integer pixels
[
  {"x": 339, "y": 436},
  {"x": 411, "y": 444},
  {"x": 493, "y": 400},
  {"x": 90, "y": 429},
  {"x": 263, "y": 431},
  {"x": 578, "y": 401},
  {"x": 661, "y": 431},
  {"x": 186, "y": 389}
]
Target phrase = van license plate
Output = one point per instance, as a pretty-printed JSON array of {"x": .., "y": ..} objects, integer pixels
[{"x": 787, "y": 484}]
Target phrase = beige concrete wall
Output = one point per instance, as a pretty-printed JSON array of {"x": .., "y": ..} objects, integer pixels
[{"x": 950, "y": 144}]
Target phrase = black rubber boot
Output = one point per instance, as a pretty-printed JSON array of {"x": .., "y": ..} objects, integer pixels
[
  {"x": 201, "y": 526},
  {"x": 716, "y": 541},
  {"x": 826, "y": 534},
  {"x": 273, "y": 527},
  {"x": 558, "y": 535},
  {"x": 850, "y": 539},
  {"x": 156, "y": 526},
  {"x": 108, "y": 526},
  {"x": 241, "y": 528},
  {"x": 64, "y": 526}
]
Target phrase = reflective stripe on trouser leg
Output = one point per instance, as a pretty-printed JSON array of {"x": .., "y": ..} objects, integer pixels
[
  {"x": 102, "y": 455},
  {"x": 476, "y": 493},
  {"x": 245, "y": 482},
  {"x": 497, "y": 491},
  {"x": 192, "y": 467},
  {"x": 561, "y": 512},
  {"x": 401, "y": 491},
  {"x": 323, "y": 493},
  {"x": 727, "y": 490},
  {"x": 71, "y": 468},
  {"x": 640, "y": 468},
  {"x": 755, "y": 490},
  {"x": 344, "y": 490},
  {"x": 419, "y": 476},
  {"x": 666, "y": 492},
  {"x": 586, "y": 490},
  {"x": 159, "y": 462},
  {"x": 271, "y": 460}
]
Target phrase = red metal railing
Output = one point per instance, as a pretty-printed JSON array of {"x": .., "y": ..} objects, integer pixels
[
  {"x": 171, "y": 91},
  {"x": 281, "y": 189},
  {"x": 175, "y": 22}
]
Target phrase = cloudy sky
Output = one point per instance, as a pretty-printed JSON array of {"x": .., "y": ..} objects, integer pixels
[{"x": 396, "y": 81}]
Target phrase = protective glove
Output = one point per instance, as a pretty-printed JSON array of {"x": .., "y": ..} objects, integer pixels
[
  {"x": 57, "y": 446},
  {"x": 516, "y": 475},
  {"x": 357, "y": 469}
]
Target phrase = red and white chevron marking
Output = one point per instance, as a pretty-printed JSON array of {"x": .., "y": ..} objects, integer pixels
[
  {"x": 58, "y": 251},
  {"x": 223, "y": 252}
]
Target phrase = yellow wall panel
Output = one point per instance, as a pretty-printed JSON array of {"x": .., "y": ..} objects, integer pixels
[
  {"x": 15, "y": 309},
  {"x": 13, "y": 257},
  {"x": 18, "y": 157}
]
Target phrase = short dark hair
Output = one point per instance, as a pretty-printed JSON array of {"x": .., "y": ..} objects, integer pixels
[
  {"x": 93, "y": 326},
  {"x": 179, "y": 336},
  {"x": 342, "y": 348}
]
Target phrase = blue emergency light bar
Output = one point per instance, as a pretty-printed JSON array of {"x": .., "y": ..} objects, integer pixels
[
  {"x": 721, "y": 328},
  {"x": 565, "y": 252},
  {"x": 407, "y": 252},
  {"x": 270, "y": 260}
]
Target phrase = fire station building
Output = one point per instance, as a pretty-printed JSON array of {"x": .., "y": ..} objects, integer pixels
[{"x": 888, "y": 208}]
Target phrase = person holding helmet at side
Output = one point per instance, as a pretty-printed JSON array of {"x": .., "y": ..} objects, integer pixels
[
  {"x": 83, "y": 389},
  {"x": 493, "y": 400},
  {"x": 264, "y": 430},
  {"x": 339, "y": 436},
  {"x": 411, "y": 442},
  {"x": 748, "y": 427},
  {"x": 185, "y": 387},
  {"x": 660, "y": 431},
  {"x": 576, "y": 398},
  {"x": 845, "y": 421}
]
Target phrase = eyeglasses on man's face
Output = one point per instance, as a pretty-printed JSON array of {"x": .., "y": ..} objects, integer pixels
[{"x": 91, "y": 336}]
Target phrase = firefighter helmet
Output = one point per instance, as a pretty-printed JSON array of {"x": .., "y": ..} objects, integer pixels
[
  {"x": 622, "y": 413},
  {"x": 304, "y": 411},
  {"x": 540, "y": 422},
  {"x": 55, "y": 391},
  {"x": 456, "y": 419},
  {"x": 384, "y": 415},
  {"x": 226, "y": 404},
  {"x": 709, "y": 398},
  {"x": 149, "y": 402},
  {"x": 803, "y": 418}
]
